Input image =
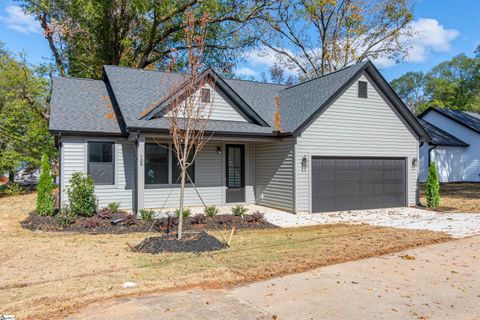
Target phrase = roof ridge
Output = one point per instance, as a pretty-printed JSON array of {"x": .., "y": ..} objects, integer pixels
[
  {"x": 327, "y": 74},
  {"x": 78, "y": 78},
  {"x": 254, "y": 81},
  {"x": 142, "y": 70}
]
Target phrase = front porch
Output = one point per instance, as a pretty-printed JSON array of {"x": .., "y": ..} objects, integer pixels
[{"x": 224, "y": 173}]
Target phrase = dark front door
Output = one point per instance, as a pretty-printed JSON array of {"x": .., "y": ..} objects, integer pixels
[
  {"x": 358, "y": 183},
  {"x": 235, "y": 174}
]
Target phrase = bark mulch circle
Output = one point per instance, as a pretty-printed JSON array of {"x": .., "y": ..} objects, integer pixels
[{"x": 191, "y": 242}]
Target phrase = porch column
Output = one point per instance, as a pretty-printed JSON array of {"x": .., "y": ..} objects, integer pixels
[{"x": 140, "y": 176}]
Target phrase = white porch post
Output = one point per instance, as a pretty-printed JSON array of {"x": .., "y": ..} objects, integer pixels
[{"x": 140, "y": 172}]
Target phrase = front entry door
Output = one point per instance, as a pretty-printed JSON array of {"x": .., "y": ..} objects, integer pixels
[{"x": 235, "y": 174}]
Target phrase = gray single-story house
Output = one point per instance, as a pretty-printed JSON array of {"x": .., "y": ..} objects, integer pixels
[{"x": 346, "y": 141}]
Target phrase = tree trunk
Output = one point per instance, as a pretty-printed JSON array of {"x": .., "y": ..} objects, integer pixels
[
  {"x": 11, "y": 176},
  {"x": 182, "y": 194}
]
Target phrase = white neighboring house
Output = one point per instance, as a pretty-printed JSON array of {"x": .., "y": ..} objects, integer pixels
[{"x": 455, "y": 145}]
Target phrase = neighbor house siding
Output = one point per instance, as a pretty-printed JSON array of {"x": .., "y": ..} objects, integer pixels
[
  {"x": 354, "y": 126},
  {"x": 74, "y": 159},
  {"x": 209, "y": 180},
  {"x": 470, "y": 155},
  {"x": 274, "y": 174}
]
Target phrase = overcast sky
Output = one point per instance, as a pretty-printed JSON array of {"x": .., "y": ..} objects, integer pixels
[{"x": 444, "y": 28}]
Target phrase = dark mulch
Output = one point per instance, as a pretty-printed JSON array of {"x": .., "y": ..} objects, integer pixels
[
  {"x": 163, "y": 225},
  {"x": 191, "y": 242}
]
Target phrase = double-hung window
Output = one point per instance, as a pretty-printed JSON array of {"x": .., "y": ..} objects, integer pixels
[
  {"x": 156, "y": 163},
  {"x": 101, "y": 162}
]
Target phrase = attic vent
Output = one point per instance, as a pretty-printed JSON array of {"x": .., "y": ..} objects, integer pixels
[
  {"x": 205, "y": 95},
  {"x": 362, "y": 89}
]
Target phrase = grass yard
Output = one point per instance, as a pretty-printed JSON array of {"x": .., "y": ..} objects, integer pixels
[
  {"x": 47, "y": 275},
  {"x": 457, "y": 197}
]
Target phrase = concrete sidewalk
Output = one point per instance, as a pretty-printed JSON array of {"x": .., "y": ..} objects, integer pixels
[{"x": 437, "y": 282}]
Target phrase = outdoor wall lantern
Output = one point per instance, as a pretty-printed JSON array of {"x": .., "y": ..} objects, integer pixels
[
  {"x": 414, "y": 163},
  {"x": 304, "y": 163},
  {"x": 219, "y": 150}
]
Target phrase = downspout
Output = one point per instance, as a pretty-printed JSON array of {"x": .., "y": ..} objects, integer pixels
[
  {"x": 430, "y": 154},
  {"x": 135, "y": 177},
  {"x": 60, "y": 178}
]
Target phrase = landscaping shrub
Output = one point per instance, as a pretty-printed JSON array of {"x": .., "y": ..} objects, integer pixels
[
  {"x": 256, "y": 217},
  {"x": 14, "y": 189},
  {"x": 186, "y": 213},
  {"x": 92, "y": 222},
  {"x": 433, "y": 187},
  {"x": 130, "y": 220},
  {"x": 44, "y": 190},
  {"x": 226, "y": 219},
  {"x": 81, "y": 195},
  {"x": 65, "y": 217},
  {"x": 147, "y": 214},
  {"x": 104, "y": 213},
  {"x": 199, "y": 219},
  {"x": 114, "y": 206},
  {"x": 211, "y": 211},
  {"x": 239, "y": 210}
]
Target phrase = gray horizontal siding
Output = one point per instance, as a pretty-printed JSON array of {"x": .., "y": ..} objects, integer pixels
[
  {"x": 353, "y": 126},
  {"x": 274, "y": 174},
  {"x": 74, "y": 159}
]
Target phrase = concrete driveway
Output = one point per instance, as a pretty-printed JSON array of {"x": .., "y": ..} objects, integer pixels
[
  {"x": 440, "y": 281},
  {"x": 457, "y": 225}
]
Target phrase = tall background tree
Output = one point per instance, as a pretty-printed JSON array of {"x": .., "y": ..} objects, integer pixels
[
  {"x": 84, "y": 35},
  {"x": 453, "y": 84},
  {"x": 314, "y": 37},
  {"x": 24, "y": 133}
]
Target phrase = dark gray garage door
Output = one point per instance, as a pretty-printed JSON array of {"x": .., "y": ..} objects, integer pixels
[{"x": 357, "y": 183}]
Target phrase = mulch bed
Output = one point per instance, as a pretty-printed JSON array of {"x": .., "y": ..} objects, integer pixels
[
  {"x": 163, "y": 225},
  {"x": 191, "y": 242}
]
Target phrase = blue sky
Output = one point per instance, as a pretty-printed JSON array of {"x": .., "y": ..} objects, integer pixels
[{"x": 445, "y": 27}]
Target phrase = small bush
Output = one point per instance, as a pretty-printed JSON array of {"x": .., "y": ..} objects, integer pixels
[
  {"x": 114, "y": 206},
  {"x": 199, "y": 219},
  {"x": 65, "y": 217},
  {"x": 256, "y": 217},
  {"x": 239, "y": 210},
  {"x": 211, "y": 211},
  {"x": 92, "y": 222},
  {"x": 130, "y": 220},
  {"x": 433, "y": 187},
  {"x": 14, "y": 189},
  {"x": 186, "y": 213},
  {"x": 147, "y": 214},
  {"x": 226, "y": 219},
  {"x": 81, "y": 195},
  {"x": 44, "y": 190},
  {"x": 104, "y": 213}
]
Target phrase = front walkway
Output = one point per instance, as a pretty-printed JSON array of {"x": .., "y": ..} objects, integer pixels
[
  {"x": 440, "y": 281},
  {"x": 456, "y": 224}
]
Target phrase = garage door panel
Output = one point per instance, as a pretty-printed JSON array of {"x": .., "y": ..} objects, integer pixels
[{"x": 357, "y": 183}]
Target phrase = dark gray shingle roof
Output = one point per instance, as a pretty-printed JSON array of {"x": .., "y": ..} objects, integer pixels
[
  {"x": 440, "y": 137},
  {"x": 82, "y": 105},
  {"x": 299, "y": 103},
  {"x": 468, "y": 119}
]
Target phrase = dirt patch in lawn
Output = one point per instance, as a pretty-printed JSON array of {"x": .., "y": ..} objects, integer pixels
[
  {"x": 456, "y": 197},
  {"x": 47, "y": 275},
  {"x": 125, "y": 225}
]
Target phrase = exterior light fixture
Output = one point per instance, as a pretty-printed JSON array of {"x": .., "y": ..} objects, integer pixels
[
  {"x": 304, "y": 163},
  {"x": 219, "y": 150},
  {"x": 414, "y": 163}
]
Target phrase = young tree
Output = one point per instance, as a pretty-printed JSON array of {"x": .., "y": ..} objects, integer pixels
[
  {"x": 315, "y": 37},
  {"x": 44, "y": 189},
  {"x": 187, "y": 113},
  {"x": 433, "y": 187},
  {"x": 84, "y": 35}
]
